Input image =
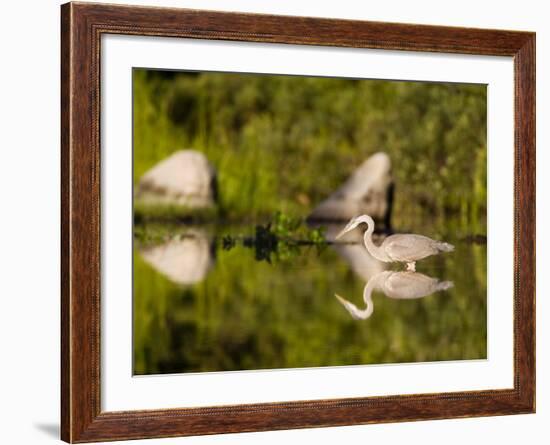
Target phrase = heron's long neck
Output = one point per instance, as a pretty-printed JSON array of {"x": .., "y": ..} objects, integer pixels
[
  {"x": 373, "y": 249},
  {"x": 361, "y": 314},
  {"x": 367, "y": 298}
]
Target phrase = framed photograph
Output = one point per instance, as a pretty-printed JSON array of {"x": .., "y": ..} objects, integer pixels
[{"x": 275, "y": 222}]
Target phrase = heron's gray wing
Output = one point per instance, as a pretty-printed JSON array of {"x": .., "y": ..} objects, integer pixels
[{"x": 408, "y": 247}]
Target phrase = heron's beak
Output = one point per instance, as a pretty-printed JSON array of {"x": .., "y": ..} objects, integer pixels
[
  {"x": 345, "y": 303},
  {"x": 343, "y": 232},
  {"x": 340, "y": 299},
  {"x": 350, "y": 307}
]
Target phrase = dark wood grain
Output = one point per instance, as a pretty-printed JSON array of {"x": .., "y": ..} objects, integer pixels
[
  {"x": 65, "y": 226},
  {"x": 82, "y": 27},
  {"x": 524, "y": 224}
]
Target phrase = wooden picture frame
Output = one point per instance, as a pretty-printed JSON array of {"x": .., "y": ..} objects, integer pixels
[{"x": 82, "y": 26}]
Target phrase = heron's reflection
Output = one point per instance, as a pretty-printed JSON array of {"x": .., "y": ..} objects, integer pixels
[{"x": 397, "y": 285}]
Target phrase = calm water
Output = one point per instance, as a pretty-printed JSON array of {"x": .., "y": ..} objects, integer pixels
[{"x": 205, "y": 303}]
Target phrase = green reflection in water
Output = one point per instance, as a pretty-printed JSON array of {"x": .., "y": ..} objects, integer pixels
[{"x": 232, "y": 312}]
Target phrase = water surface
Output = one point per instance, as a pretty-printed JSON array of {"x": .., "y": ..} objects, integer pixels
[{"x": 205, "y": 303}]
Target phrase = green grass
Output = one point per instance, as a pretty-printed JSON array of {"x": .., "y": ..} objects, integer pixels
[
  {"x": 160, "y": 213},
  {"x": 284, "y": 143}
]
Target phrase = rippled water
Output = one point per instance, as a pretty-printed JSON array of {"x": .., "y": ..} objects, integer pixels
[{"x": 203, "y": 303}]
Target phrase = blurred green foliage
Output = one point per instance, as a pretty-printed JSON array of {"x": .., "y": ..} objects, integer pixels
[
  {"x": 281, "y": 238},
  {"x": 286, "y": 142}
]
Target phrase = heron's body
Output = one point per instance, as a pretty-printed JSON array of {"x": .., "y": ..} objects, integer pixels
[
  {"x": 409, "y": 247},
  {"x": 409, "y": 285},
  {"x": 406, "y": 248},
  {"x": 398, "y": 285}
]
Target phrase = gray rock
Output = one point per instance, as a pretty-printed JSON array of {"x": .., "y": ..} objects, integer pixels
[
  {"x": 367, "y": 191},
  {"x": 184, "y": 178}
]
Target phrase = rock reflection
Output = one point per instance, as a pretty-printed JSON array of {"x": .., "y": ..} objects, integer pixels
[
  {"x": 397, "y": 285},
  {"x": 185, "y": 260}
]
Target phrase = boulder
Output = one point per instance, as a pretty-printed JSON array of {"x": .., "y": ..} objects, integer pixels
[
  {"x": 184, "y": 178},
  {"x": 369, "y": 190}
]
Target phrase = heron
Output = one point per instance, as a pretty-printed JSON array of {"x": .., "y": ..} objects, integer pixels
[
  {"x": 405, "y": 248},
  {"x": 398, "y": 285}
]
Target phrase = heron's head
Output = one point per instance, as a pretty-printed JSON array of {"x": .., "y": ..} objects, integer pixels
[
  {"x": 354, "y": 222},
  {"x": 355, "y": 312}
]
